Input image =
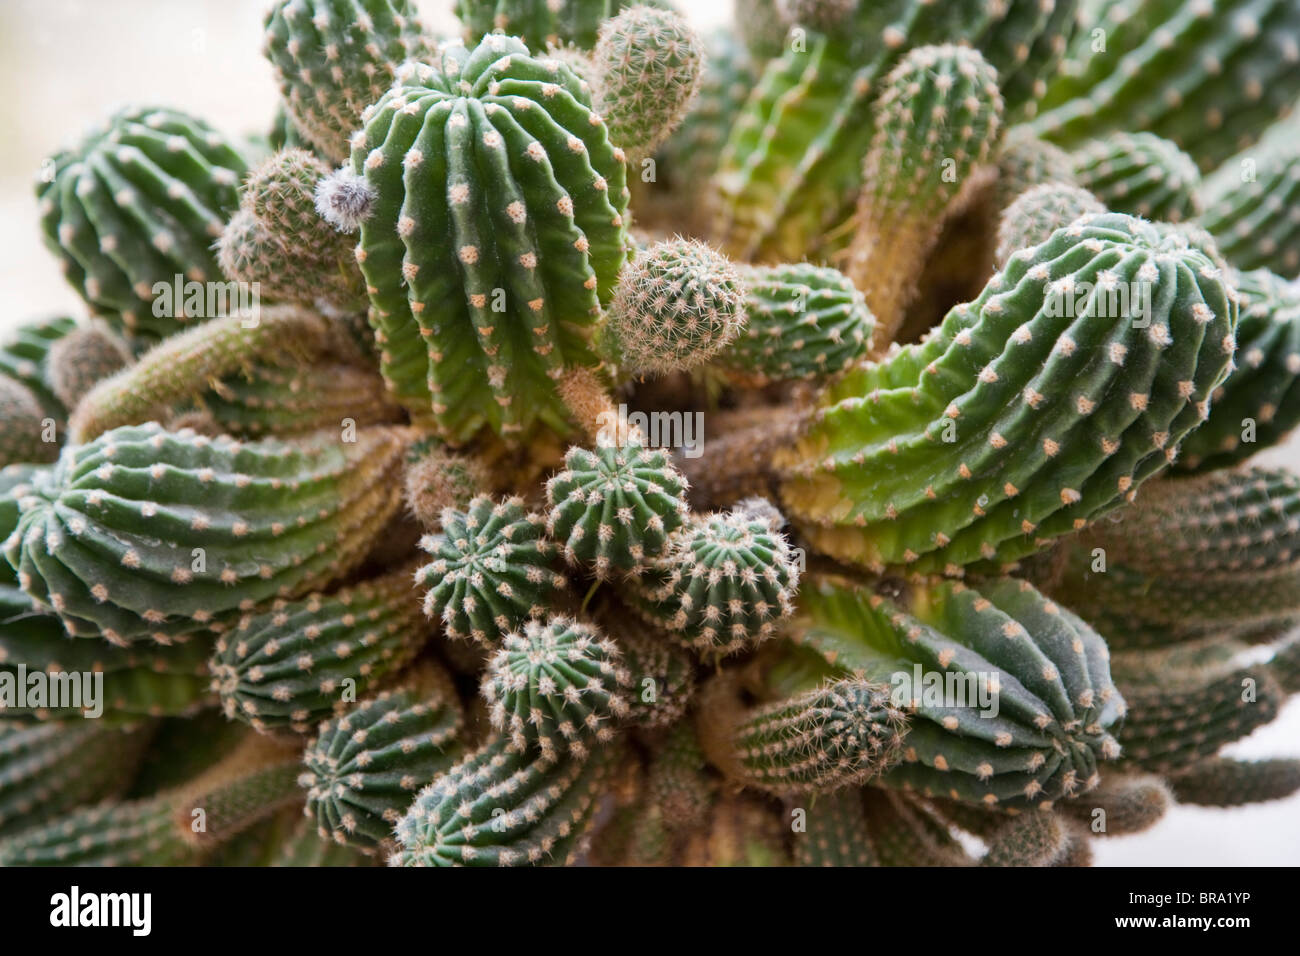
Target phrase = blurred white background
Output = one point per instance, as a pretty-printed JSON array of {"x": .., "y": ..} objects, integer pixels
[{"x": 66, "y": 64}]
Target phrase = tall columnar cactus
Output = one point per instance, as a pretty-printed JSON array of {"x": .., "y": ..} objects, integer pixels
[
  {"x": 333, "y": 58},
  {"x": 47, "y": 770},
  {"x": 279, "y": 240},
  {"x": 83, "y": 357},
  {"x": 792, "y": 167},
  {"x": 1028, "y": 413},
  {"x": 677, "y": 305},
  {"x": 143, "y": 531},
  {"x": 1140, "y": 174},
  {"x": 1038, "y": 212},
  {"x": 724, "y": 584},
  {"x": 488, "y": 269},
  {"x": 502, "y": 806},
  {"x": 490, "y": 570},
  {"x": 1251, "y": 201},
  {"x": 613, "y": 507},
  {"x": 540, "y": 23},
  {"x": 301, "y": 661},
  {"x": 802, "y": 322},
  {"x": 938, "y": 121},
  {"x": 365, "y": 768},
  {"x": 1225, "y": 545},
  {"x": 839, "y": 735},
  {"x": 1259, "y": 403},
  {"x": 1009, "y": 696},
  {"x": 645, "y": 73},
  {"x": 1209, "y": 76},
  {"x": 136, "y": 205},
  {"x": 557, "y": 686}
]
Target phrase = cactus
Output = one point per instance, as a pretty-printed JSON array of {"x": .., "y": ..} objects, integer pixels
[
  {"x": 792, "y": 169},
  {"x": 304, "y": 847},
  {"x": 476, "y": 311},
  {"x": 26, "y": 427},
  {"x": 613, "y": 508},
  {"x": 490, "y": 570},
  {"x": 802, "y": 322},
  {"x": 1207, "y": 76},
  {"x": 907, "y": 833},
  {"x": 24, "y": 357},
  {"x": 1140, "y": 174},
  {"x": 645, "y": 72},
  {"x": 1224, "y": 782},
  {"x": 540, "y": 23},
  {"x": 967, "y": 447},
  {"x": 725, "y": 583},
  {"x": 364, "y": 769},
  {"x": 333, "y": 58},
  {"x": 1025, "y": 161},
  {"x": 1129, "y": 803},
  {"x": 504, "y": 807},
  {"x": 279, "y": 240},
  {"x": 143, "y": 531},
  {"x": 838, "y": 735},
  {"x": 1009, "y": 696},
  {"x": 938, "y": 122},
  {"x": 678, "y": 304},
  {"x": 837, "y": 832},
  {"x": 47, "y": 770},
  {"x": 83, "y": 357},
  {"x": 300, "y": 661},
  {"x": 132, "y": 212},
  {"x": 556, "y": 686},
  {"x": 1032, "y": 839},
  {"x": 1249, "y": 203},
  {"x": 661, "y": 672},
  {"x": 1226, "y": 543},
  {"x": 1037, "y": 213},
  {"x": 438, "y": 479}
]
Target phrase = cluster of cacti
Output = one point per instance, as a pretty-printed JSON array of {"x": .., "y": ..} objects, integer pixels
[{"x": 614, "y": 472}]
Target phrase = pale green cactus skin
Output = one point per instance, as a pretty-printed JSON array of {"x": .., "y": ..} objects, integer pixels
[
  {"x": 662, "y": 672},
  {"x": 1224, "y": 782},
  {"x": 873, "y": 481},
  {"x": 1250, "y": 203},
  {"x": 139, "y": 202},
  {"x": 1140, "y": 174},
  {"x": 476, "y": 314},
  {"x": 1232, "y": 63},
  {"x": 1058, "y": 709},
  {"x": 24, "y": 357},
  {"x": 144, "y": 532},
  {"x": 1038, "y": 212},
  {"x": 540, "y": 23},
  {"x": 333, "y": 58},
  {"x": 1026, "y": 161}
]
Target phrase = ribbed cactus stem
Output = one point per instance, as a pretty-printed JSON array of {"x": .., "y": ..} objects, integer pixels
[
  {"x": 1038, "y": 212},
  {"x": 184, "y": 365},
  {"x": 84, "y": 357}
]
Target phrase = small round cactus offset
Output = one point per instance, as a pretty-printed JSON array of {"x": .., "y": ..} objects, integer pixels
[
  {"x": 364, "y": 769},
  {"x": 82, "y": 358},
  {"x": 539, "y": 23},
  {"x": 437, "y": 479},
  {"x": 613, "y": 507},
  {"x": 645, "y": 74},
  {"x": 333, "y": 58},
  {"x": 557, "y": 686},
  {"x": 134, "y": 209},
  {"x": 279, "y": 240},
  {"x": 724, "y": 584},
  {"x": 1038, "y": 212},
  {"x": 490, "y": 570},
  {"x": 678, "y": 304},
  {"x": 26, "y": 426},
  {"x": 495, "y": 237}
]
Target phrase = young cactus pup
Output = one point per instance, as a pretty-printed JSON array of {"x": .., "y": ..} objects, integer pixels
[
  {"x": 1140, "y": 174},
  {"x": 938, "y": 123}
]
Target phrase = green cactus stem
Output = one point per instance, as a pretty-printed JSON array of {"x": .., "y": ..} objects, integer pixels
[
  {"x": 1037, "y": 213},
  {"x": 24, "y": 357},
  {"x": 1140, "y": 174},
  {"x": 333, "y": 58},
  {"x": 836, "y": 833},
  {"x": 504, "y": 807},
  {"x": 1123, "y": 804},
  {"x": 82, "y": 358},
  {"x": 1224, "y": 782},
  {"x": 24, "y": 426},
  {"x": 1009, "y": 695},
  {"x": 540, "y": 23},
  {"x": 138, "y": 203},
  {"x": 938, "y": 122},
  {"x": 1028, "y": 413},
  {"x": 490, "y": 570},
  {"x": 478, "y": 307},
  {"x": 301, "y": 661},
  {"x": 365, "y": 768},
  {"x": 662, "y": 672},
  {"x": 143, "y": 531},
  {"x": 437, "y": 479},
  {"x": 1025, "y": 161}
]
